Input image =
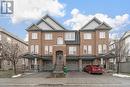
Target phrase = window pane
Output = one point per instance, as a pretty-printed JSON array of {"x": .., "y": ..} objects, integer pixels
[
  {"x": 50, "y": 49},
  {"x": 46, "y": 49},
  {"x": 59, "y": 40},
  {"x": 102, "y": 34},
  {"x": 70, "y": 36},
  {"x": 48, "y": 36},
  {"x": 85, "y": 49},
  {"x": 34, "y": 36},
  {"x": 89, "y": 49},
  {"x": 87, "y": 36},
  {"x": 99, "y": 48},
  {"x": 36, "y": 49},
  {"x": 72, "y": 50},
  {"x": 32, "y": 48}
]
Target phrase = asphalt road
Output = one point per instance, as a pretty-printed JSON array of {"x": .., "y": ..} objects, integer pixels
[{"x": 71, "y": 80}]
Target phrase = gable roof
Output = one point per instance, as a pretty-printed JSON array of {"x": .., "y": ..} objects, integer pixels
[
  {"x": 104, "y": 25},
  {"x": 93, "y": 19},
  {"x": 47, "y": 25},
  {"x": 57, "y": 26},
  {"x": 33, "y": 27},
  {"x": 95, "y": 23}
]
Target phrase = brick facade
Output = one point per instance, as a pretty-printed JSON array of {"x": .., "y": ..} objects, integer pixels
[{"x": 74, "y": 61}]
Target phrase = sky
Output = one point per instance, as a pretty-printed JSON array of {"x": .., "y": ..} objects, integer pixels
[{"x": 72, "y": 14}]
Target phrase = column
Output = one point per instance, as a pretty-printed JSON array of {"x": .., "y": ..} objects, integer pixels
[
  {"x": 80, "y": 65},
  {"x": 35, "y": 65}
]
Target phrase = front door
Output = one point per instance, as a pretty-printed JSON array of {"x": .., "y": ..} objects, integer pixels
[{"x": 59, "y": 58}]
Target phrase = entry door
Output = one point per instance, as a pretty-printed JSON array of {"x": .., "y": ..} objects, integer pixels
[{"x": 59, "y": 58}]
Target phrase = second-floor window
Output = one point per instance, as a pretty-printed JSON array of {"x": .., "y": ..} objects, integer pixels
[
  {"x": 48, "y": 50},
  {"x": 59, "y": 40},
  {"x": 101, "y": 34},
  {"x": 102, "y": 48},
  {"x": 87, "y": 49},
  {"x": 34, "y": 36},
  {"x": 87, "y": 36},
  {"x": 72, "y": 50},
  {"x": 70, "y": 36},
  {"x": 34, "y": 49},
  {"x": 48, "y": 36}
]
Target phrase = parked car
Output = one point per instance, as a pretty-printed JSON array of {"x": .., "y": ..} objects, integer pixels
[{"x": 91, "y": 69}]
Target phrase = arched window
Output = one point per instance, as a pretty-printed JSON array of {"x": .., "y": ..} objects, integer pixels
[{"x": 59, "y": 40}]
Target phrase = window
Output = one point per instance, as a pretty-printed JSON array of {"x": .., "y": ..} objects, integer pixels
[
  {"x": 87, "y": 36},
  {"x": 70, "y": 36},
  {"x": 48, "y": 36},
  {"x": 102, "y": 34},
  {"x": 59, "y": 40},
  {"x": 102, "y": 48},
  {"x": 34, "y": 49},
  {"x": 87, "y": 49},
  {"x": 48, "y": 49},
  {"x": 34, "y": 36},
  {"x": 72, "y": 50}
]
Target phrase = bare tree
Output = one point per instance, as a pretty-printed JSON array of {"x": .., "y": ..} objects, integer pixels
[
  {"x": 11, "y": 52},
  {"x": 120, "y": 51}
]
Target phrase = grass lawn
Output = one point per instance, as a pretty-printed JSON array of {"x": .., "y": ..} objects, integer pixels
[{"x": 6, "y": 73}]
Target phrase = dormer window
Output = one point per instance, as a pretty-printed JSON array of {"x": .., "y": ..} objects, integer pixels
[{"x": 69, "y": 36}]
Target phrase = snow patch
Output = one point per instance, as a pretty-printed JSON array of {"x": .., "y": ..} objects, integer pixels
[
  {"x": 120, "y": 75},
  {"x": 14, "y": 76}
]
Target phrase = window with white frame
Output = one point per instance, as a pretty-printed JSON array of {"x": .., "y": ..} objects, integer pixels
[
  {"x": 70, "y": 36},
  {"x": 87, "y": 49},
  {"x": 59, "y": 40},
  {"x": 101, "y": 34},
  {"x": 72, "y": 50},
  {"x": 48, "y": 49},
  {"x": 34, "y": 36},
  {"x": 48, "y": 36},
  {"x": 99, "y": 48},
  {"x": 102, "y": 48},
  {"x": 87, "y": 36},
  {"x": 34, "y": 49}
]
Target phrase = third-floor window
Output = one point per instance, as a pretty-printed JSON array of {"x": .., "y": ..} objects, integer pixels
[
  {"x": 101, "y": 34},
  {"x": 70, "y": 36},
  {"x": 34, "y": 36},
  {"x": 87, "y": 36},
  {"x": 48, "y": 36}
]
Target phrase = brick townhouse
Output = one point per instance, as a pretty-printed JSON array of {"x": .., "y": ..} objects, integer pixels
[{"x": 54, "y": 44}]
